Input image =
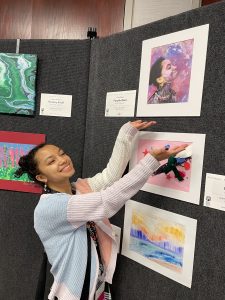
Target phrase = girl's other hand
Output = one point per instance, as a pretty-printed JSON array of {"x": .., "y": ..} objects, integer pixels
[
  {"x": 139, "y": 124},
  {"x": 162, "y": 153}
]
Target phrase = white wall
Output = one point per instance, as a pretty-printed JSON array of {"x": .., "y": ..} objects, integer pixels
[{"x": 140, "y": 12}]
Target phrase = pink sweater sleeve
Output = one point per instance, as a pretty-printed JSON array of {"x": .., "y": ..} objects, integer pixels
[{"x": 98, "y": 205}]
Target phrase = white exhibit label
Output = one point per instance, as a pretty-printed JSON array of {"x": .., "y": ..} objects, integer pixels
[
  {"x": 120, "y": 104},
  {"x": 215, "y": 191},
  {"x": 56, "y": 105}
]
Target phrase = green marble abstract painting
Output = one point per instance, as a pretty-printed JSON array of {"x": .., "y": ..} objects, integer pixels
[{"x": 17, "y": 83}]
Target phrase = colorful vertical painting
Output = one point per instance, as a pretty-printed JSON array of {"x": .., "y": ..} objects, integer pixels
[
  {"x": 189, "y": 169},
  {"x": 13, "y": 145},
  {"x": 172, "y": 73},
  {"x": 160, "y": 240},
  {"x": 17, "y": 83}
]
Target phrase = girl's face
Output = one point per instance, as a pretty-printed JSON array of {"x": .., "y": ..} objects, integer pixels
[
  {"x": 169, "y": 71},
  {"x": 54, "y": 165}
]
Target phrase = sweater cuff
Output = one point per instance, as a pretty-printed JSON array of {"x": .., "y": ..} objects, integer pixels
[
  {"x": 153, "y": 163},
  {"x": 128, "y": 130}
]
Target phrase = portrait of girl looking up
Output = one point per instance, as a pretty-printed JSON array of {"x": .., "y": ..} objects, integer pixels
[{"x": 71, "y": 219}]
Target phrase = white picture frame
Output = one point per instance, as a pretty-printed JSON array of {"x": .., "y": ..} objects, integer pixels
[
  {"x": 176, "y": 246},
  {"x": 189, "y": 190},
  {"x": 186, "y": 50}
]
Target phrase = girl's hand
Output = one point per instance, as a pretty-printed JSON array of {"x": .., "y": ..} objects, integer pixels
[
  {"x": 161, "y": 154},
  {"x": 139, "y": 124}
]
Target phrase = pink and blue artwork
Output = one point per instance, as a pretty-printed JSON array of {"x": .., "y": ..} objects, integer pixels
[
  {"x": 168, "y": 180},
  {"x": 170, "y": 72},
  {"x": 183, "y": 181},
  {"x": 160, "y": 240}
]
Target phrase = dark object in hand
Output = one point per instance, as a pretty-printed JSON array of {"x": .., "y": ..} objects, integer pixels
[{"x": 171, "y": 165}]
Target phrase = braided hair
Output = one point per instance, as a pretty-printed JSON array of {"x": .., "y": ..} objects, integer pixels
[{"x": 28, "y": 164}]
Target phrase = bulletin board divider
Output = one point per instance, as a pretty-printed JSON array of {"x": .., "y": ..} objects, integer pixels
[
  {"x": 115, "y": 66},
  {"x": 63, "y": 68}
]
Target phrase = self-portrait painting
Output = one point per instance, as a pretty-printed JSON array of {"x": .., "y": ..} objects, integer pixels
[
  {"x": 184, "y": 181},
  {"x": 13, "y": 145},
  {"x": 172, "y": 73},
  {"x": 17, "y": 83},
  {"x": 160, "y": 240}
]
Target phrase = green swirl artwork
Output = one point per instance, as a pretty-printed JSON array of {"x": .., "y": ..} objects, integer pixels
[{"x": 17, "y": 83}]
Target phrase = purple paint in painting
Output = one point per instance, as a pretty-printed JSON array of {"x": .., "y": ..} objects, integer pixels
[{"x": 170, "y": 73}]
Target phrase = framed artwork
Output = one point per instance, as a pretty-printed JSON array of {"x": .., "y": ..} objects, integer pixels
[
  {"x": 191, "y": 170},
  {"x": 172, "y": 73},
  {"x": 160, "y": 240},
  {"x": 17, "y": 83},
  {"x": 13, "y": 145}
]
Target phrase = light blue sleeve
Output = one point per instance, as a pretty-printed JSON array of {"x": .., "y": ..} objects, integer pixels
[{"x": 50, "y": 219}]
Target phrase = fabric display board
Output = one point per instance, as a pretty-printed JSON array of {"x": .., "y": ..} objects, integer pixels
[
  {"x": 63, "y": 68},
  {"x": 115, "y": 66},
  {"x": 88, "y": 70}
]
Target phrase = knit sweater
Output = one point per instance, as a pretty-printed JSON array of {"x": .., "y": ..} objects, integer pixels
[{"x": 60, "y": 219}]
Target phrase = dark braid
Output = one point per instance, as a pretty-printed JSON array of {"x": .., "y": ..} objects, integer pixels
[{"x": 28, "y": 164}]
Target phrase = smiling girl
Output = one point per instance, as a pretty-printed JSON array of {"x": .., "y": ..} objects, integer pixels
[{"x": 72, "y": 219}]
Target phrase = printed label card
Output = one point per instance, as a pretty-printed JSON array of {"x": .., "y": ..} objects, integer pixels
[
  {"x": 120, "y": 104},
  {"x": 215, "y": 191},
  {"x": 56, "y": 105}
]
